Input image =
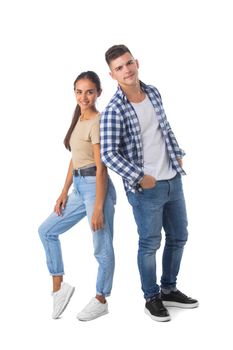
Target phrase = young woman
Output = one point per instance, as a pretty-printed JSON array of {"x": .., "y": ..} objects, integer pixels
[{"x": 93, "y": 196}]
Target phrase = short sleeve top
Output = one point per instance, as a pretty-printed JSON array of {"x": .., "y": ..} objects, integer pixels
[{"x": 85, "y": 134}]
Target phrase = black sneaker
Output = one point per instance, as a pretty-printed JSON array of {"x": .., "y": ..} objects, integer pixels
[
  {"x": 156, "y": 310},
  {"x": 178, "y": 299}
]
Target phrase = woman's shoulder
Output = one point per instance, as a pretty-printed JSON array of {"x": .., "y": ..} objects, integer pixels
[{"x": 95, "y": 120}]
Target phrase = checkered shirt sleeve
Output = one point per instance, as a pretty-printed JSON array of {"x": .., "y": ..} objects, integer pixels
[{"x": 116, "y": 152}]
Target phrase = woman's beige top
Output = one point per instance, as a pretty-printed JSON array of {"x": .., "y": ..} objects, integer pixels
[{"x": 85, "y": 134}]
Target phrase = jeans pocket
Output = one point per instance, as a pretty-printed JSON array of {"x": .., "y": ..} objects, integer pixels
[
  {"x": 149, "y": 189},
  {"x": 133, "y": 198}
]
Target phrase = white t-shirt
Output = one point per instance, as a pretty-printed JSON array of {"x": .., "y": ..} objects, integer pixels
[{"x": 156, "y": 159}]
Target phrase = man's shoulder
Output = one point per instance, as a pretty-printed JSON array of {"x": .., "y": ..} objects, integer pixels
[
  {"x": 152, "y": 89},
  {"x": 115, "y": 105}
]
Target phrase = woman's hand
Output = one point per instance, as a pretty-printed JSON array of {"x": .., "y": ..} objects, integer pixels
[
  {"x": 97, "y": 220},
  {"x": 62, "y": 199},
  {"x": 60, "y": 204}
]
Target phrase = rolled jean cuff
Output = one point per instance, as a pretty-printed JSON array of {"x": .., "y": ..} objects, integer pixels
[{"x": 104, "y": 295}]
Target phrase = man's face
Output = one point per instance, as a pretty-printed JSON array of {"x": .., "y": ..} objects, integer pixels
[{"x": 124, "y": 70}]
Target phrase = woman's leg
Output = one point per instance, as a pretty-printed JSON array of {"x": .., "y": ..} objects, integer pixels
[
  {"x": 57, "y": 281},
  {"x": 55, "y": 225},
  {"x": 49, "y": 232},
  {"x": 103, "y": 247},
  {"x": 103, "y": 239}
]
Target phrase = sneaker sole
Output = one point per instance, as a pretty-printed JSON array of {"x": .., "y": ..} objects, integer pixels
[
  {"x": 180, "y": 305},
  {"x": 157, "y": 318},
  {"x": 92, "y": 318},
  {"x": 67, "y": 300}
]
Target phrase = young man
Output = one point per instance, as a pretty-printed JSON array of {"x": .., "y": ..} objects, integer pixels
[{"x": 137, "y": 143}]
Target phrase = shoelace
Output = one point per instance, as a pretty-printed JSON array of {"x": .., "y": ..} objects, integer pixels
[
  {"x": 158, "y": 301},
  {"x": 182, "y": 295}
]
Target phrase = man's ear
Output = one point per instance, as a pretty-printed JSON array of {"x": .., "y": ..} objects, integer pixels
[{"x": 113, "y": 75}]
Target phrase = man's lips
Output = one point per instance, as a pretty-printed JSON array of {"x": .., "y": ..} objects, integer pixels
[{"x": 129, "y": 76}]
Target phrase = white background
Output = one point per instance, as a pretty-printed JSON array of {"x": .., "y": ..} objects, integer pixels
[{"x": 185, "y": 49}]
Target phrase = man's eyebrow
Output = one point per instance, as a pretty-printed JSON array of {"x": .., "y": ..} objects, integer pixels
[
  {"x": 86, "y": 90},
  {"x": 121, "y": 65}
]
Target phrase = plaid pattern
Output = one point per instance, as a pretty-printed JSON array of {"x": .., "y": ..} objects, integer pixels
[{"x": 120, "y": 135}]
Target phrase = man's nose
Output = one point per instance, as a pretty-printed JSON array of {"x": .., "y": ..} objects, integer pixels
[{"x": 126, "y": 69}]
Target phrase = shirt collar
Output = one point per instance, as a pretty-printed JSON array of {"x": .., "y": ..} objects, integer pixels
[{"x": 123, "y": 96}]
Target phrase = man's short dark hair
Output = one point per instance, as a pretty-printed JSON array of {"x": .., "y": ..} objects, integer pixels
[{"x": 114, "y": 52}]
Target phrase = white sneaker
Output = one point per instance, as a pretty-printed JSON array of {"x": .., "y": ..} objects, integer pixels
[
  {"x": 61, "y": 299},
  {"x": 93, "y": 310}
]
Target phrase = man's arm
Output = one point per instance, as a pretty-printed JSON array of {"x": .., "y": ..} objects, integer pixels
[
  {"x": 111, "y": 155},
  {"x": 178, "y": 151}
]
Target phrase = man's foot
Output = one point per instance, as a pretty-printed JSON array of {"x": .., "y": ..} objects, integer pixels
[
  {"x": 93, "y": 310},
  {"x": 61, "y": 299},
  {"x": 178, "y": 299},
  {"x": 156, "y": 310}
]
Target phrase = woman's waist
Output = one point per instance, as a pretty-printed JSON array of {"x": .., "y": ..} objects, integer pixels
[{"x": 87, "y": 170}]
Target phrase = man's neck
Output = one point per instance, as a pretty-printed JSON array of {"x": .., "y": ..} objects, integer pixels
[{"x": 134, "y": 93}]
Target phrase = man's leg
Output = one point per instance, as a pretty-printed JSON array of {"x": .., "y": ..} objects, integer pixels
[
  {"x": 175, "y": 225},
  {"x": 148, "y": 213}
]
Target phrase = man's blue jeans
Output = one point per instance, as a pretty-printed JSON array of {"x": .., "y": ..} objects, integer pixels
[
  {"x": 160, "y": 207},
  {"x": 80, "y": 204}
]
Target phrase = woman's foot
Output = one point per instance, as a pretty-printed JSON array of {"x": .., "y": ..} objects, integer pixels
[
  {"x": 61, "y": 299},
  {"x": 93, "y": 309}
]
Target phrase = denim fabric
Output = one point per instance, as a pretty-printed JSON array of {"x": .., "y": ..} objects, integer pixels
[
  {"x": 160, "y": 207},
  {"x": 81, "y": 203}
]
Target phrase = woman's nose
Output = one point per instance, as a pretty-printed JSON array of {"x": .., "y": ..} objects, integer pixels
[{"x": 84, "y": 97}]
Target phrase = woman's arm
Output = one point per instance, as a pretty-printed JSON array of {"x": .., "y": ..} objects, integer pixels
[
  {"x": 61, "y": 201},
  {"x": 97, "y": 221}
]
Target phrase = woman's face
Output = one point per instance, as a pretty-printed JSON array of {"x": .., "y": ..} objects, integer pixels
[{"x": 86, "y": 94}]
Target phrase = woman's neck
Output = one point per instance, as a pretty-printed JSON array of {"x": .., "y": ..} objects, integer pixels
[{"x": 88, "y": 114}]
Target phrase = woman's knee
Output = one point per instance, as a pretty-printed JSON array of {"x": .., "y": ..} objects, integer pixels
[{"x": 42, "y": 232}]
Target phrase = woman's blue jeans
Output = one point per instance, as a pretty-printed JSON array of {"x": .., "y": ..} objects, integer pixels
[
  {"x": 81, "y": 203},
  {"x": 160, "y": 207}
]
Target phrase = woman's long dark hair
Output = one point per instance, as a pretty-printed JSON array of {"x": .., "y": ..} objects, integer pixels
[{"x": 92, "y": 76}]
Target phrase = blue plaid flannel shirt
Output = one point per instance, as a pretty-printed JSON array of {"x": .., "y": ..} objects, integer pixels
[{"x": 120, "y": 135}]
